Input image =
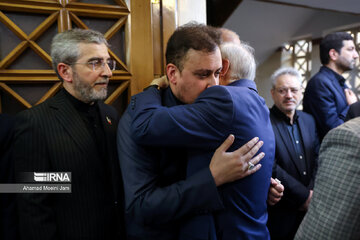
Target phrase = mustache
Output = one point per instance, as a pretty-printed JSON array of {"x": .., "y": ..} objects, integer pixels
[
  {"x": 102, "y": 81},
  {"x": 290, "y": 100}
]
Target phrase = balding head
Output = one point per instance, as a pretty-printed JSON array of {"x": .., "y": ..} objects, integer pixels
[{"x": 228, "y": 36}]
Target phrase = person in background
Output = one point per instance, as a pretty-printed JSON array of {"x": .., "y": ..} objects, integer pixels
[
  {"x": 297, "y": 147},
  {"x": 327, "y": 97},
  {"x": 334, "y": 211}
]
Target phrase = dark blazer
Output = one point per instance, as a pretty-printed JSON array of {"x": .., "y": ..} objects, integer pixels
[
  {"x": 201, "y": 127},
  {"x": 354, "y": 111},
  {"x": 325, "y": 100},
  {"x": 52, "y": 137},
  {"x": 296, "y": 175},
  {"x": 8, "y": 223},
  {"x": 157, "y": 196}
]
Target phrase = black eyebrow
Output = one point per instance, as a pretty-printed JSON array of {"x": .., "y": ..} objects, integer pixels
[{"x": 202, "y": 71}]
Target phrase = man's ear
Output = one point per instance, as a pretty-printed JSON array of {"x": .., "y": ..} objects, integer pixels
[
  {"x": 225, "y": 67},
  {"x": 171, "y": 70},
  {"x": 65, "y": 72},
  {"x": 333, "y": 54}
]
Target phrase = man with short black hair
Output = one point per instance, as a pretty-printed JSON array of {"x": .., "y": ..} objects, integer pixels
[
  {"x": 158, "y": 196},
  {"x": 327, "y": 97},
  {"x": 201, "y": 126}
]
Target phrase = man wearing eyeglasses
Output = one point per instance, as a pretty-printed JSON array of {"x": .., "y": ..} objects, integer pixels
[
  {"x": 295, "y": 154},
  {"x": 74, "y": 131}
]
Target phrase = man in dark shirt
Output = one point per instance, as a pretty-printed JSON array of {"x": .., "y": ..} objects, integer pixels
[
  {"x": 74, "y": 131},
  {"x": 327, "y": 97},
  {"x": 296, "y": 154}
]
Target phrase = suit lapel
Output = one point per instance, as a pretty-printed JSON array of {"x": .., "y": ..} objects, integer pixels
[
  {"x": 305, "y": 137},
  {"x": 109, "y": 123},
  {"x": 72, "y": 122}
]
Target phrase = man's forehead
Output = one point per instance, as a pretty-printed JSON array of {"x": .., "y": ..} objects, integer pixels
[
  {"x": 287, "y": 79},
  {"x": 348, "y": 43},
  {"x": 202, "y": 59},
  {"x": 93, "y": 50}
]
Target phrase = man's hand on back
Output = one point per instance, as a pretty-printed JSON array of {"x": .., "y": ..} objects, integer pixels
[{"x": 230, "y": 166}]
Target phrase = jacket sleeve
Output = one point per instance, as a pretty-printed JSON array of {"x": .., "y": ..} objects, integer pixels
[
  {"x": 152, "y": 203},
  {"x": 36, "y": 217},
  {"x": 295, "y": 193},
  {"x": 321, "y": 102},
  {"x": 200, "y": 124}
]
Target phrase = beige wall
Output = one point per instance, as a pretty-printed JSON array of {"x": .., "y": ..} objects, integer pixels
[
  {"x": 263, "y": 74},
  {"x": 190, "y": 10}
]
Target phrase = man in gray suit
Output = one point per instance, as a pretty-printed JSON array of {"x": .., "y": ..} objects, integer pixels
[
  {"x": 334, "y": 211},
  {"x": 73, "y": 131}
]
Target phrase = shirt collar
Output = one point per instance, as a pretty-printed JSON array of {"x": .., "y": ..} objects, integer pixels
[
  {"x": 338, "y": 77},
  {"x": 79, "y": 105},
  {"x": 279, "y": 114}
]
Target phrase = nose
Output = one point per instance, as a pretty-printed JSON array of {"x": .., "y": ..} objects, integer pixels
[
  {"x": 213, "y": 80},
  {"x": 106, "y": 71},
  {"x": 288, "y": 93},
  {"x": 356, "y": 55}
]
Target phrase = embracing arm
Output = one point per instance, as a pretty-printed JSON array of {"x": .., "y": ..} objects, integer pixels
[
  {"x": 201, "y": 124},
  {"x": 37, "y": 219},
  {"x": 151, "y": 203}
]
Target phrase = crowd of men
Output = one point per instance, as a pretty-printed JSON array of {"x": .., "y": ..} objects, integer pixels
[{"x": 196, "y": 155}]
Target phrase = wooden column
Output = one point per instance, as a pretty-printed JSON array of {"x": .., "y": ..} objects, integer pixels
[{"x": 141, "y": 62}]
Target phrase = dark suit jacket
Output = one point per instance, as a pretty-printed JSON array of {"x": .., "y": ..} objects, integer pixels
[
  {"x": 296, "y": 175},
  {"x": 354, "y": 111},
  {"x": 52, "y": 137},
  {"x": 8, "y": 224},
  {"x": 157, "y": 196},
  {"x": 201, "y": 127},
  {"x": 325, "y": 100}
]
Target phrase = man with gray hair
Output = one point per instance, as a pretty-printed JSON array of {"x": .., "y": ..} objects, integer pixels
[
  {"x": 238, "y": 62},
  {"x": 75, "y": 132},
  {"x": 295, "y": 156}
]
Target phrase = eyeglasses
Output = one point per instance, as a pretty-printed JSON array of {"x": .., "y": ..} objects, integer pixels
[
  {"x": 97, "y": 64},
  {"x": 284, "y": 91}
]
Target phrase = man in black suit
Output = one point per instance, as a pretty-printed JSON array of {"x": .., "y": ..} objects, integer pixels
[
  {"x": 295, "y": 155},
  {"x": 7, "y": 200},
  {"x": 73, "y": 132}
]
